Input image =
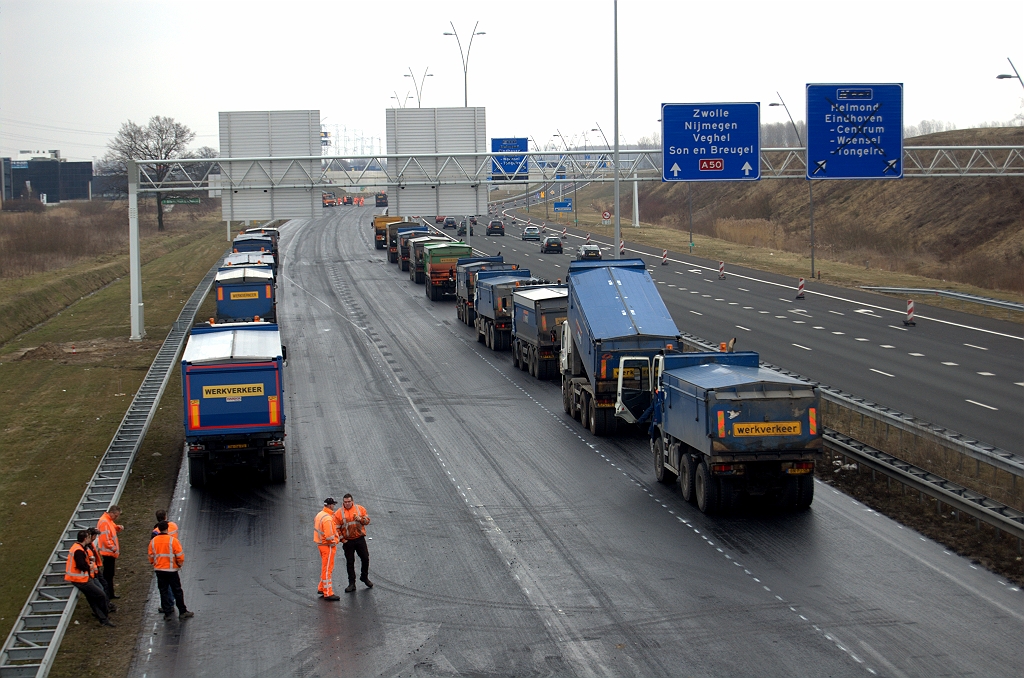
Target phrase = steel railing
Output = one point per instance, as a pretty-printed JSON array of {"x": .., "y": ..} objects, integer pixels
[
  {"x": 973, "y": 298},
  {"x": 32, "y": 644}
]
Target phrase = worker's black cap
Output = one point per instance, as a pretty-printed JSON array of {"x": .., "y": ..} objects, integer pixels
[{"x": 329, "y": 501}]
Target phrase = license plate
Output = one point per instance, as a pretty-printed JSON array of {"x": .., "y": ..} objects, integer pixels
[{"x": 237, "y": 446}]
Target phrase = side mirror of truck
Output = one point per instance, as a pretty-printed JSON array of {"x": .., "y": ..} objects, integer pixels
[{"x": 284, "y": 352}]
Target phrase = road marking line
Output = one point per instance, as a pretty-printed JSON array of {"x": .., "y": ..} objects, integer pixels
[
  {"x": 917, "y": 355},
  {"x": 764, "y": 311},
  {"x": 987, "y": 407},
  {"x": 788, "y": 301},
  {"x": 694, "y": 292},
  {"x": 695, "y": 270},
  {"x": 719, "y": 299},
  {"x": 706, "y": 296},
  {"x": 748, "y": 308},
  {"x": 986, "y": 374},
  {"x": 744, "y": 328},
  {"x": 818, "y": 327},
  {"x": 950, "y": 364},
  {"x": 695, "y": 313},
  {"x": 803, "y": 347},
  {"x": 861, "y": 339},
  {"x": 1019, "y": 383},
  {"x": 781, "y": 316},
  {"x": 901, "y": 329},
  {"x": 887, "y": 346},
  {"x": 881, "y": 372},
  {"x": 838, "y": 333},
  {"x": 980, "y": 348},
  {"x": 734, "y": 303},
  {"x": 837, "y": 312},
  {"x": 741, "y": 289},
  {"x": 799, "y": 322}
]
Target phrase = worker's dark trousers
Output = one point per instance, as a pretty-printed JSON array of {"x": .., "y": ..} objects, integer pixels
[
  {"x": 351, "y": 548},
  {"x": 109, "y": 565},
  {"x": 169, "y": 586},
  {"x": 93, "y": 592}
]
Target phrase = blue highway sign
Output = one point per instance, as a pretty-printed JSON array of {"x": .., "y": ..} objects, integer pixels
[
  {"x": 855, "y": 131},
  {"x": 564, "y": 206},
  {"x": 711, "y": 142},
  {"x": 509, "y": 167}
]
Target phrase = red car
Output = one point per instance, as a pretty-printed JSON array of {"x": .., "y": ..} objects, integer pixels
[{"x": 439, "y": 220}]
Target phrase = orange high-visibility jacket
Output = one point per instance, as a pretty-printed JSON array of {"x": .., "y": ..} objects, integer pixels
[
  {"x": 165, "y": 553},
  {"x": 107, "y": 543},
  {"x": 94, "y": 560},
  {"x": 172, "y": 529},
  {"x": 325, "y": 530},
  {"x": 71, "y": 571},
  {"x": 352, "y": 521}
]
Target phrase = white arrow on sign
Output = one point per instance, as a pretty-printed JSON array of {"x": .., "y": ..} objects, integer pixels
[
  {"x": 746, "y": 169},
  {"x": 674, "y": 169}
]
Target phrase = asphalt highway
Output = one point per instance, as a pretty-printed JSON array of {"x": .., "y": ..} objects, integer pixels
[
  {"x": 953, "y": 369},
  {"x": 505, "y": 540}
]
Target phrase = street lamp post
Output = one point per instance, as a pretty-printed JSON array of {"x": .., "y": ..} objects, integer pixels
[
  {"x": 465, "y": 58},
  {"x": 400, "y": 100},
  {"x": 1016, "y": 75},
  {"x": 810, "y": 183},
  {"x": 419, "y": 86},
  {"x": 615, "y": 162}
]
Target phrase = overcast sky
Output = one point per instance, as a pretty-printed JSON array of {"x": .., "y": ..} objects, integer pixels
[{"x": 72, "y": 71}]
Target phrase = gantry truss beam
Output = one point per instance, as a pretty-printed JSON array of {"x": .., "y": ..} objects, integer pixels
[{"x": 434, "y": 169}]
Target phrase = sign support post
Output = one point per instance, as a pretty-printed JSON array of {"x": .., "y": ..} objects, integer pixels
[{"x": 134, "y": 253}]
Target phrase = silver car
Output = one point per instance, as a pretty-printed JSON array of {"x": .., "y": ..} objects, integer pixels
[{"x": 531, "y": 233}]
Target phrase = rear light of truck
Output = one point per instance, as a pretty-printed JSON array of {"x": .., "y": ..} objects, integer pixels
[
  {"x": 799, "y": 467},
  {"x": 721, "y": 424},
  {"x": 275, "y": 412},
  {"x": 812, "y": 417},
  {"x": 268, "y": 291},
  {"x": 193, "y": 413},
  {"x": 274, "y": 442},
  {"x": 220, "y": 294},
  {"x": 727, "y": 469},
  {"x": 196, "y": 447}
]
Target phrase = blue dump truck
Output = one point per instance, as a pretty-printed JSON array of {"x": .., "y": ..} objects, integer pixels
[
  {"x": 492, "y": 304},
  {"x": 253, "y": 242},
  {"x": 404, "y": 236},
  {"x": 614, "y": 310},
  {"x": 231, "y": 377},
  {"x": 537, "y": 319},
  {"x": 466, "y": 270},
  {"x": 245, "y": 293},
  {"x": 250, "y": 259},
  {"x": 724, "y": 426}
]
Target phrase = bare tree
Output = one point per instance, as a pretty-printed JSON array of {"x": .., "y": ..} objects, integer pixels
[{"x": 161, "y": 139}]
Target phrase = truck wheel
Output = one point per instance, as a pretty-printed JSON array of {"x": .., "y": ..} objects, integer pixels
[
  {"x": 197, "y": 471},
  {"x": 566, "y": 401},
  {"x": 533, "y": 364},
  {"x": 479, "y": 336},
  {"x": 598, "y": 420},
  {"x": 686, "y": 471},
  {"x": 804, "y": 491},
  {"x": 489, "y": 340},
  {"x": 661, "y": 474},
  {"x": 278, "y": 470},
  {"x": 787, "y": 495},
  {"x": 706, "y": 488}
]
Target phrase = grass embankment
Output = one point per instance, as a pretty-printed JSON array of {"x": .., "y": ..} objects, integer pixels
[{"x": 58, "y": 412}]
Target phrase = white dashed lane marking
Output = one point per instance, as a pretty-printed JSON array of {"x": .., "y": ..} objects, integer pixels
[
  {"x": 987, "y": 407},
  {"x": 882, "y": 373}
]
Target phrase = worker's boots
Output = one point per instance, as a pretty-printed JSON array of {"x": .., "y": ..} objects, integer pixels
[{"x": 350, "y": 588}]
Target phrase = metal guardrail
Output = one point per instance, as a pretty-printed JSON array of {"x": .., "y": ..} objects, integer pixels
[
  {"x": 32, "y": 644},
  {"x": 990, "y": 454},
  {"x": 973, "y": 298},
  {"x": 947, "y": 492}
]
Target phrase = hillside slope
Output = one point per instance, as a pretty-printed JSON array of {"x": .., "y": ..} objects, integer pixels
[{"x": 968, "y": 230}]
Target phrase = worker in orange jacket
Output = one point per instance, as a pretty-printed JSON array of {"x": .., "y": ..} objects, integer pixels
[
  {"x": 80, "y": 572},
  {"x": 172, "y": 527},
  {"x": 109, "y": 547},
  {"x": 353, "y": 521},
  {"x": 325, "y": 535},
  {"x": 166, "y": 556}
]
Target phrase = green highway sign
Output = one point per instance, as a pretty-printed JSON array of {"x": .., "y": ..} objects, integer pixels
[{"x": 180, "y": 201}]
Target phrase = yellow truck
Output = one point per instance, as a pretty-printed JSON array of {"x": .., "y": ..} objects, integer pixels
[{"x": 380, "y": 230}]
